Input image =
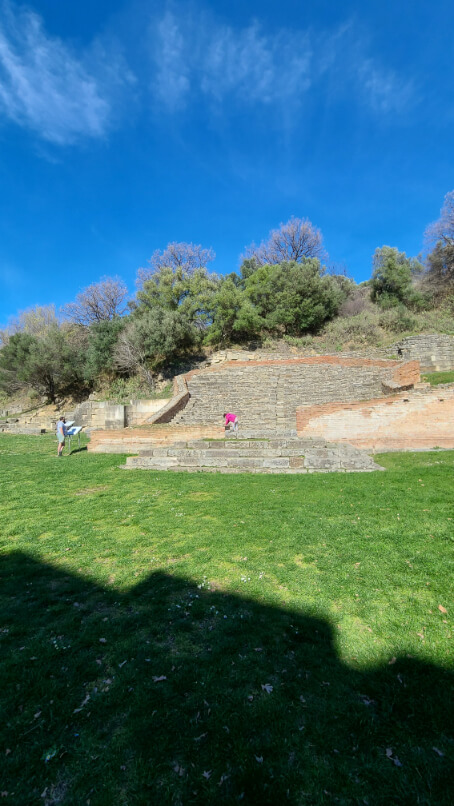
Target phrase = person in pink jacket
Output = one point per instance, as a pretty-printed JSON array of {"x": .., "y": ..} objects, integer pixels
[{"x": 232, "y": 420}]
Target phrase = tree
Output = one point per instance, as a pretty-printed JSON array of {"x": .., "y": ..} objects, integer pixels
[
  {"x": 234, "y": 317},
  {"x": 13, "y": 360},
  {"x": 392, "y": 278},
  {"x": 442, "y": 231},
  {"x": 34, "y": 321},
  {"x": 440, "y": 261},
  {"x": 98, "y": 302},
  {"x": 439, "y": 278},
  {"x": 101, "y": 343},
  {"x": 189, "y": 292},
  {"x": 171, "y": 315},
  {"x": 185, "y": 256},
  {"x": 296, "y": 240},
  {"x": 52, "y": 364},
  {"x": 151, "y": 339},
  {"x": 294, "y": 298}
]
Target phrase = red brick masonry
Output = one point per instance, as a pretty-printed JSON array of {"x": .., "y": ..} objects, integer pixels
[
  {"x": 417, "y": 421},
  {"x": 132, "y": 440}
]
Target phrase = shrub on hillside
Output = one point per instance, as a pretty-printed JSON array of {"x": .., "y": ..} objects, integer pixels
[
  {"x": 392, "y": 280},
  {"x": 362, "y": 330},
  {"x": 51, "y": 364},
  {"x": 356, "y": 302},
  {"x": 398, "y": 320},
  {"x": 293, "y": 298}
]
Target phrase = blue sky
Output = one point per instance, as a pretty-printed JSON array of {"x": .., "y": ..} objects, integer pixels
[{"x": 124, "y": 126}]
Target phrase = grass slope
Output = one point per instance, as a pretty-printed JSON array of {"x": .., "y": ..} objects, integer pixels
[
  {"x": 186, "y": 639},
  {"x": 436, "y": 378}
]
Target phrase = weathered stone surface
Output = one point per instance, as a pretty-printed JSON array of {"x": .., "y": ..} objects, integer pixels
[
  {"x": 265, "y": 394},
  {"x": 276, "y": 456},
  {"x": 434, "y": 351}
]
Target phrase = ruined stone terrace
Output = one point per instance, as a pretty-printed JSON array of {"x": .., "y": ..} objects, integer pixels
[{"x": 266, "y": 394}]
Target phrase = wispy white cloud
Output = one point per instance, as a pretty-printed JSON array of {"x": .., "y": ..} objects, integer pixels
[
  {"x": 46, "y": 87},
  {"x": 66, "y": 95},
  {"x": 219, "y": 61},
  {"x": 256, "y": 67},
  {"x": 197, "y": 56},
  {"x": 385, "y": 91},
  {"x": 172, "y": 80}
]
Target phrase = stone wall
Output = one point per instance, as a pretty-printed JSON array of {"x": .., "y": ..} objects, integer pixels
[
  {"x": 266, "y": 393},
  {"x": 104, "y": 415},
  {"x": 173, "y": 406},
  {"x": 434, "y": 352},
  {"x": 138, "y": 411},
  {"x": 421, "y": 420}
]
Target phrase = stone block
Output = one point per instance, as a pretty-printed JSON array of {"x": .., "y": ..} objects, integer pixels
[{"x": 280, "y": 461}]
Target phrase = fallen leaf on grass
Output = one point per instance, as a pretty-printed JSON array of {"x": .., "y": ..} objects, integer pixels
[
  {"x": 442, "y": 609},
  {"x": 259, "y": 759},
  {"x": 103, "y": 641},
  {"x": 158, "y": 679},
  {"x": 268, "y": 688},
  {"x": 393, "y": 660},
  {"x": 394, "y": 759},
  {"x": 76, "y": 710},
  {"x": 207, "y": 774}
]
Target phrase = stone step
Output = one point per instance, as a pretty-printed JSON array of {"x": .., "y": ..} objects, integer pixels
[
  {"x": 228, "y": 453},
  {"x": 274, "y": 455}
]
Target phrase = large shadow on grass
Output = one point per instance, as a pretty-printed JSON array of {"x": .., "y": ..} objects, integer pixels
[{"x": 173, "y": 695}]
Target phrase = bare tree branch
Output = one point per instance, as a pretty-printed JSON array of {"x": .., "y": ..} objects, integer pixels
[
  {"x": 439, "y": 237},
  {"x": 98, "y": 302},
  {"x": 186, "y": 256},
  {"x": 130, "y": 355},
  {"x": 294, "y": 241}
]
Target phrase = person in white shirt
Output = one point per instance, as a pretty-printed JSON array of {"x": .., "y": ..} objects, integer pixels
[{"x": 61, "y": 434}]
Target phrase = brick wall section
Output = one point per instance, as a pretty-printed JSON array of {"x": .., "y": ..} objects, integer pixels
[
  {"x": 403, "y": 422},
  {"x": 407, "y": 374},
  {"x": 133, "y": 440}
]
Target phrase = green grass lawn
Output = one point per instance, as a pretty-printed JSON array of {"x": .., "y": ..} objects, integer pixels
[
  {"x": 213, "y": 639},
  {"x": 435, "y": 378}
]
